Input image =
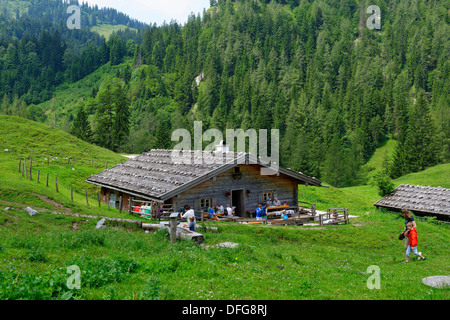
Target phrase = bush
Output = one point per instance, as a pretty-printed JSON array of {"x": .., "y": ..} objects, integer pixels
[{"x": 384, "y": 183}]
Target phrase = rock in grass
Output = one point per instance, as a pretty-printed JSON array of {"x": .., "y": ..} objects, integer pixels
[
  {"x": 440, "y": 282},
  {"x": 6, "y": 209},
  {"x": 101, "y": 224},
  {"x": 31, "y": 211}
]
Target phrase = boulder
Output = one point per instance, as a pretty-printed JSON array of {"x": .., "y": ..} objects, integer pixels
[
  {"x": 437, "y": 281},
  {"x": 101, "y": 224},
  {"x": 31, "y": 211}
]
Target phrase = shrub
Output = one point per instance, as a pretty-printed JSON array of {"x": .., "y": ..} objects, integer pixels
[{"x": 384, "y": 183}]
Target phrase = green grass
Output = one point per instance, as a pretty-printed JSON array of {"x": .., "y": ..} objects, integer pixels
[
  {"x": 375, "y": 163},
  {"x": 106, "y": 30},
  {"x": 25, "y": 139},
  {"x": 123, "y": 262}
]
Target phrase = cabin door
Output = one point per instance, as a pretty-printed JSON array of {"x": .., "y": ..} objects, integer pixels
[{"x": 237, "y": 200}]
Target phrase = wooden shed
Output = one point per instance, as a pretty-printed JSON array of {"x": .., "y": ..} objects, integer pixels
[
  {"x": 236, "y": 180},
  {"x": 422, "y": 200}
]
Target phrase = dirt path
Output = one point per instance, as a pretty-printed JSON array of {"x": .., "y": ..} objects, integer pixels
[{"x": 52, "y": 202}]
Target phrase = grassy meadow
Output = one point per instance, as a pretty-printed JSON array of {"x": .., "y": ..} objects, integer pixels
[{"x": 123, "y": 262}]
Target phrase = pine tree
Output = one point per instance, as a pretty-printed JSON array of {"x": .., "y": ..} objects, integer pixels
[
  {"x": 420, "y": 143},
  {"x": 104, "y": 118},
  {"x": 4, "y": 107},
  {"x": 121, "y": 125},
  {"x": 81, "y": 127}
]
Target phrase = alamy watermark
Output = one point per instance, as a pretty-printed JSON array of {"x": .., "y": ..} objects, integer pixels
[
  {"x": 373, "y": 282},
  {"x": 74, "y": 281},
  {"x": 74, "y": 21},
  {"x": 374, "y": 21},
  {"x": 258, "y": 147}
]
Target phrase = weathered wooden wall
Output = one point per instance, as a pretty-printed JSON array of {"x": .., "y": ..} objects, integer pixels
[{"x": 285, "y": 188}]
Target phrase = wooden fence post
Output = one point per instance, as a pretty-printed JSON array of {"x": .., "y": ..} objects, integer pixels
[
  {"x": 130, "y": 201},
  {"x": 38, "y": 173},
  {"x": 46, "y": 184},
  {"x": 56, "y": 184},
  {"x": 23, "y": 168},
  {"x": 106, "y": 166},
  {"x": 98, "y": 197},
  {"x": 87, "y": 201},
  {"x": 71, "y": 193},
  {"x": 173, "y": 227}
]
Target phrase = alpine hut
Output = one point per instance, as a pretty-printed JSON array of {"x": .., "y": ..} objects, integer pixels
[
  {"x": 422, "y": 200},
  {"x": 199, "y": 178}
]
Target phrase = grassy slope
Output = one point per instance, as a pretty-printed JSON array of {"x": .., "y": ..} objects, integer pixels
[
  {"x": 106, "y": 30},
  {"x": 272, "y": 262},
  {"x": 68, "y": 96},
  {"x": 375, "y": 162},
  {"x": 25, "y": 139}
]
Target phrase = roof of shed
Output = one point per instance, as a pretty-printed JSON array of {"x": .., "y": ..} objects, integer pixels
[
  {"x": 159, "y": 175},
  {"x": 434, "y": 200}
]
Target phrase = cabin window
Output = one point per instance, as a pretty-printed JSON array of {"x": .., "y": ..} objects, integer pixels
[
  {"x": 262, "y": 197},
  {"x": 267, "y": 195},
  {"x": 205, "y": 202}
]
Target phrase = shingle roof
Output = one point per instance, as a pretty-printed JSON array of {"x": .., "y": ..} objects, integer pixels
[
  {"x": 433, "y": 200},
  {"x": 158, "y": 175}
]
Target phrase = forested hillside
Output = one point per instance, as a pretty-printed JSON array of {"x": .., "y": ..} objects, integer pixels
[
  {"x": 39, "y": 52},
  {"x": 312, "y": 69}
]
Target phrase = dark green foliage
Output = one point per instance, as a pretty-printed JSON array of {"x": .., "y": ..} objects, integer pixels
[
  {"x": 312, "y": 69},
  {"x": 81, "y": 127}
]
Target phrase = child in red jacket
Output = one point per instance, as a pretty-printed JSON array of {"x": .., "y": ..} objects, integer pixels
[{"x": 412, "y": 236}]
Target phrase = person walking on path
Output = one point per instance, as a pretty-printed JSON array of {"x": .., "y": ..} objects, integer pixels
[
  {"x": 411, "y": 234},
  {"x": 408, "y": 218}
]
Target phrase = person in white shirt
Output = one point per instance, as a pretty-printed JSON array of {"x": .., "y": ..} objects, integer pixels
[
  {"x": 229, "y": 210},
  {"x": 220, "y": 208},
  {"x": 189, "y": 212},
  {"x": 277, "y": 202}
]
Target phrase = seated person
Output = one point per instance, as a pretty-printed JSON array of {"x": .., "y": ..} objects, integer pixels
[
  {"x": 229, "y": 210},
  {"x": 220, "y": 208},
  {"x": 192, "y": 223},
  {"x": 146, "y": 209},
  {"x": 284, "y": 214},
  {"x": 334, "y": 214},
  {"x": 268, "y": 202},
  {"x": 212, "y": 213},
  {"x": 276, "y": 202}
]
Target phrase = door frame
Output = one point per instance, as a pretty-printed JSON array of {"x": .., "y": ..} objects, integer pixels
[{"x": 242, "y": 201}]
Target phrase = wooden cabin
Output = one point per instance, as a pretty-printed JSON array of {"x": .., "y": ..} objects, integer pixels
[
  {"x": 155, "y": 176},
  {"x": 422, "y": 200}
]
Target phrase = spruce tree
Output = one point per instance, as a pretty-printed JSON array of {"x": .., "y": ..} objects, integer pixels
[
  {"x": 420, "y": 142},
  {"x": 81, "y": 127}
]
